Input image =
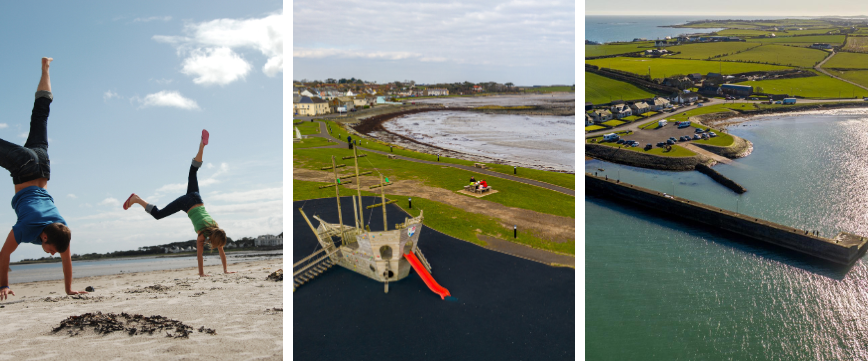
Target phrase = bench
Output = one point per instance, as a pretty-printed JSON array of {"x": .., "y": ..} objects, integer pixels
[{"x": 483, "y": 190}]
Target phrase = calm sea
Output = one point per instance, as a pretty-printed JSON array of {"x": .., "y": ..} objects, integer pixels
[
  {"x": 53, "y": 271},
  {"x": 662, "y": 289},
  {"x": 609, "y": 28}
]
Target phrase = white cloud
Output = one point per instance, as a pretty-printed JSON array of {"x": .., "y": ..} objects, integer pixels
[
  {"x": 110, "y": 94},
  {"x": 4, "y": 125},
  {"x": 167, "y": 98},
  {"x": 162, "y": 81},
  {"x": 215, "y": 66},
  {"x": 218, "y": 40},
  {"x": 152, "y": 18},
  {"x": 109, "y": 202},
  {"x": 71, "y": 196},
  {"x": 247, "y": 196}
]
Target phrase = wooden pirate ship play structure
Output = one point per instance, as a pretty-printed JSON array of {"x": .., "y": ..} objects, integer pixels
[{"x": 385, "y": 256}]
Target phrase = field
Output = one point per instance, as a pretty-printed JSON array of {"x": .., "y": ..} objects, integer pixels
[
  {"x": 861, "y": 31},
  {"x": 705, "y": 51},
  {"x": 661, "y": 68},
  {"x": 831, "y": 39},
  {"x": 594, "y": 127},
  {"x": 742, "y": 32},
  {"x": 619, "y": 48},
  {"x": 815, "y": 87},
  {"x": 782, "y": 55},
  {"x": 819, "y": 31},
  {"x": 307, "y": 128},
  {"x": 600, "y": 89},
  {"x": 857, "y": 76},
  {"x": 857, "y": 44},
  {"x": 847, "y": 61}
]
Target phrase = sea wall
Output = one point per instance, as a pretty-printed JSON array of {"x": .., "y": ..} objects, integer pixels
[
  {"x": 720, "y": 178},
  {"x": 844, "y": 249},
  {"x": 643, "y": 160}
]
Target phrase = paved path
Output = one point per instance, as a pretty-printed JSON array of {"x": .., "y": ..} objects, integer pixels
[
  {"x": 324, "y": 134},
  {"x": 819, "y": 67}
]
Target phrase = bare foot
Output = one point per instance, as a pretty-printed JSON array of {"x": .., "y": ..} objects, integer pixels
[{"x": 45, "y": 63}]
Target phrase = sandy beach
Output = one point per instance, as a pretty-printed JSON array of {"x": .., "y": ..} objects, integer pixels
[{"x": 244, "y": 309}]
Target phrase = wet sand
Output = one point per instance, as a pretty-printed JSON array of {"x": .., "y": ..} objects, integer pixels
[{"x": 240, "y": 307}]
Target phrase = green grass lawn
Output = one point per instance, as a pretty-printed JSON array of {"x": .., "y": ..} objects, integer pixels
[
  {"x": 650, "y": 125},
  {"x": 594, "y": 127},
  {"x": 831, "y": 39},
  {"x": 704, "y": 51},
  {"x": 649, "y": 114},
  {"x": 847, "y": 61},
  {"x": 857, "y": 76},
  {"x": 617, "y": 48},
  {"x": 549, "y": 89},
  {"x": 613, "y": 123},
  {"x": 781, "y": 55},
  {"x": 511, "y": 194},
  {"x": 630, "y": 119},
  {"x": 709, "y": 109},
  {"x": 311, "y": 142},
  {"x": 307, "y": 128},
  {"x": 819, "y": 87},
  {"x": 444, "y": 218},
  {"x": 600, "y": 90},
  {"x": 722, "y": 139},
  {"x": 677, "y": 151},
  {"x": 661, "y": 68}
]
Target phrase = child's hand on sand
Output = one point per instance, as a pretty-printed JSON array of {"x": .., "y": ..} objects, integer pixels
[
  {"x": 5, "y": 292},
  {"x": 75, "y": 292}
]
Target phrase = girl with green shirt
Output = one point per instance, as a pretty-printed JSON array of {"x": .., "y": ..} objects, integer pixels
[{"x": 207, "y": 229}]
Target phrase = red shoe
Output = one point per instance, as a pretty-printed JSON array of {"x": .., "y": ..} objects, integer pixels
[
  {"x": 205, "y": 136},
  {"x": 127, "y": 202}
]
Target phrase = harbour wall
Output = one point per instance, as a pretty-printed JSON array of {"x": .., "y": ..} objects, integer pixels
[{"x": 844, "y": 249}]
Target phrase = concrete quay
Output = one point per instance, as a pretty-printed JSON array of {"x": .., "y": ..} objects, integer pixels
[{"x": 844, "y": 249}]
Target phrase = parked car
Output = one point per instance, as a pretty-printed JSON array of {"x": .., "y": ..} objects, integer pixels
[
  {"x": 660, "y": 144},
  {"x": 620, "y": 141},
  {"x": 648, "y": 146},
  {"x": 754, "y": 98},
  {"x": 697, "y": 130},
  {"x": 712, "y": 134},
  {"x": 696, "y": 136},
  {"x": 670, "y": 142},
  {"x": 698, "y": 105}
]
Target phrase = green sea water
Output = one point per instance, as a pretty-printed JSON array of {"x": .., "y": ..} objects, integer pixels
[{"x": 658, "y": 288}]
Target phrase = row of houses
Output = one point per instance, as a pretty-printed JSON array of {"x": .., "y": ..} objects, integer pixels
[{"x": 620, "y": 110}]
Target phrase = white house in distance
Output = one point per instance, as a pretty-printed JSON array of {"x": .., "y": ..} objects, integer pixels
[
  {"x": 659, "y": 104},
  {"x": 640, "y": 108},
  {"x": 437, "y": 92},
  {"x": 268, "y": 240}
]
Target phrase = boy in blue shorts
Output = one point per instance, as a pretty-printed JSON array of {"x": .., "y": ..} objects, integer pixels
[{"x": 39, "y": 222}]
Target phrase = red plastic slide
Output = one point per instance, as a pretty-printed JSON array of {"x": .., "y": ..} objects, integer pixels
[{"x": 423, "y": 273}]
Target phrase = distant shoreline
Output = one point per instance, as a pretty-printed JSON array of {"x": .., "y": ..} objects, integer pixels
[{"x": 165, "y": 255}]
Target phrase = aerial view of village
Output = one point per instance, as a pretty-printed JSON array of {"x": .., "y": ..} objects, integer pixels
[
  {"x": 725, "y": 180},
  {"x": 434, "y": 183}
]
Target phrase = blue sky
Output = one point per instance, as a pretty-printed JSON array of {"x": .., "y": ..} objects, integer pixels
[
  {"x": 134, "y": 84},
  {"x": 518, "y": 41}
]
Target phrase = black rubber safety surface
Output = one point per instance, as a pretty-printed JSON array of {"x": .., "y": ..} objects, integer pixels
[{"x": 504, "y": 307}]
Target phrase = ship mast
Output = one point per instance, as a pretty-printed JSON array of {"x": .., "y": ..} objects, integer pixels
[
  {"x": 358, "y": 189},
  {"x": 338, "y": 197}
]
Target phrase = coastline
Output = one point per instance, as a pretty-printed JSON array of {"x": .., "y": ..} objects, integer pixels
[
  {"x": 251, "y": 329},
  {"x": 373, "y": 127}
]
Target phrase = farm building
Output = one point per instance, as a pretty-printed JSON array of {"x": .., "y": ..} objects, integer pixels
[
  {"x": 695, "y": 77},
  {"x": 710, "y": 90},
  {"x": 821, "y": 46},
  {"x": 736, "y": 90}
]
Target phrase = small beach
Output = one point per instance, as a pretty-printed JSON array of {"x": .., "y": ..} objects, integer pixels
[{"x": 245, "y": 309}]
